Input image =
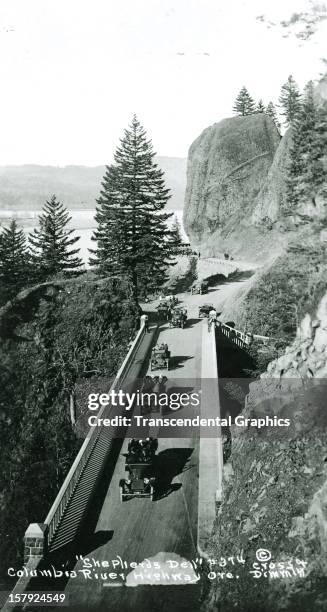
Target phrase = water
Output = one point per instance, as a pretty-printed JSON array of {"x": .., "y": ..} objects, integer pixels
[{"x": 82, "y": 221}]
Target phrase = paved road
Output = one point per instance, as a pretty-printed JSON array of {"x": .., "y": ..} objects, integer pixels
[
  {"x": 219, "y": 295},
  {"x": 140, "y": 529}
]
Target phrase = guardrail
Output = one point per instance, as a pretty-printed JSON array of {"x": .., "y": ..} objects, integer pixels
[
  {"x": 241, "y": 339},
  {"x": 217, "y": 261},
  {"x": 233, "y": 335},
  {"x": 76, "y": 471},
  {"x": 208, "y": 266},
  {"x": 262, "y": 338}
]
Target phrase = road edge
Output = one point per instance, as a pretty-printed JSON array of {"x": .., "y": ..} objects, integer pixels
[{"x": 211, "y": 449}]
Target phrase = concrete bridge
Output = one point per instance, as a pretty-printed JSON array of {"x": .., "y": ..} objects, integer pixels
[
  {"x": 210, "y": 266},
  {"x": 87, "y": 518}
]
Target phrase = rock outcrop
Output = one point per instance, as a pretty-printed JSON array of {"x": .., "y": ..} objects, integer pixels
[
  {"x": 275, "y": 487},
  {"x": 271, "y": 199},
  {"x": 235, "y": 198},
  {"x": 227, "y": 167},
  {"x": 307, "y": 356}
]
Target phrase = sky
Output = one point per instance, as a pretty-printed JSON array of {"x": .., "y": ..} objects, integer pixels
[{"x": 74, "y": 71}]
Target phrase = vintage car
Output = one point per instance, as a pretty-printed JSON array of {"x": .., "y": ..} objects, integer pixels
[
  {"x": 178, "y": 318},
  {"x": 200, "y": 287},
  {"x": 160, "y": 357},
  {"x": 163, "y": 310},
  {"x": 152, "y": 388},
  {"x": 140, "y": 470}
]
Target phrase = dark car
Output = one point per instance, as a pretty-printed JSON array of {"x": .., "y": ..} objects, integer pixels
[
  {"x": 200, "y": 287},
  {"x": 205, "y": 309}
]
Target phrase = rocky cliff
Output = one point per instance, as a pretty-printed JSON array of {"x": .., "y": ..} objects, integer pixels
[
  {"x": 236, "y": 188},
  {"x": 227, "y": 167},
  {"x": 275, "y": 485},
  {"x": 271, "y": 199}
]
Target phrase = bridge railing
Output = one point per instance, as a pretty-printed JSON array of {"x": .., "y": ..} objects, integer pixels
[
  {"x": 241, "y": 339},
  {"x": 208, "y": 266},
  {"x": 229, "y": 264},
  {"x": 263, "y": 339},
  {"x": 236, "y": 336},
  {"x": 58, "y": 507}
]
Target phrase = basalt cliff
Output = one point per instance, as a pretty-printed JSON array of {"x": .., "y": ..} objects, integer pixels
[
  {"x": 235, "y": 198},
  {"x": 228, "y": 165}
]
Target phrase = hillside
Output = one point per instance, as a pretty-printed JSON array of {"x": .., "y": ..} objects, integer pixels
[
  {"x": 27, "y": 187},
  {"x": 275, "y": 485},
  {"x": 273, "y": 509},
  {"x": 279, "y": 294},
  {"x": 70, "y": 340}
]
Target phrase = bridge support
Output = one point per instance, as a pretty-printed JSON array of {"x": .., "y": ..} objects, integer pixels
[{"x": 34, "y": 541}]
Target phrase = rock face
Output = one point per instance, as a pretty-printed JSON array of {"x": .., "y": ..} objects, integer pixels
[
  {"x": 271, "y": 199},
  {"x": 307, "y": 356},
  {"x": 236, "y": 188},
  {"x": 227, "y": 167},
  {"x": 275, "y": 484}
]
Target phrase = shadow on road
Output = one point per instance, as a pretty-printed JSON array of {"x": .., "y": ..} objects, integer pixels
[
  {"x": 238, "y": 276},
  {"x": 180, "y": 389},
  {"x": 93, "y": 541},
  {"x": 169, "y": 463},
  {"x": 177, "y": 361}
]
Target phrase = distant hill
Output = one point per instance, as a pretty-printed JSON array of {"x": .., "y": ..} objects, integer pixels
[{"x": 27, "y": 187}]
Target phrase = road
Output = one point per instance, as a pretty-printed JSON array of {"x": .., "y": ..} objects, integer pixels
[
  {"x": 163, "y": 530},
  {"x": 141, "y": 529}
]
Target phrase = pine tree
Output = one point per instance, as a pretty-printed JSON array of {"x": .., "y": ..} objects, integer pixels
[
  {"x": 260, "y": 108},
  {"x": 14, "y": 261},
  {"x": 244, "y": 104},
  {"x": 290, "y": 100},
  {"x": 313, "y": 147},
  {"x": 176, "y": 236},
  {"x": 271, "y": 112},
  {"x": 319, "y": 152},
  {"x": 50, "y": 243},
  {"x": 133, "y": 239},
  {"x": 306, "y": 172}
]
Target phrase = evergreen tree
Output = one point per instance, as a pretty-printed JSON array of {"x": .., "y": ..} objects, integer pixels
[
  {"x": 133, "y": 239},
  {"x": 50, "y": 243},
  {"x": 293, "y": 172},
  {"x": 271, "y": 112},
  {"x": 176, "y": 235},
  {"x": 14, "y": 261},
  {"x": 306, "y": 172},
  {"x": 290, "y": 100},
  {"x": 244, "y": 104},
  {"x": 260, "y": 108}
]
